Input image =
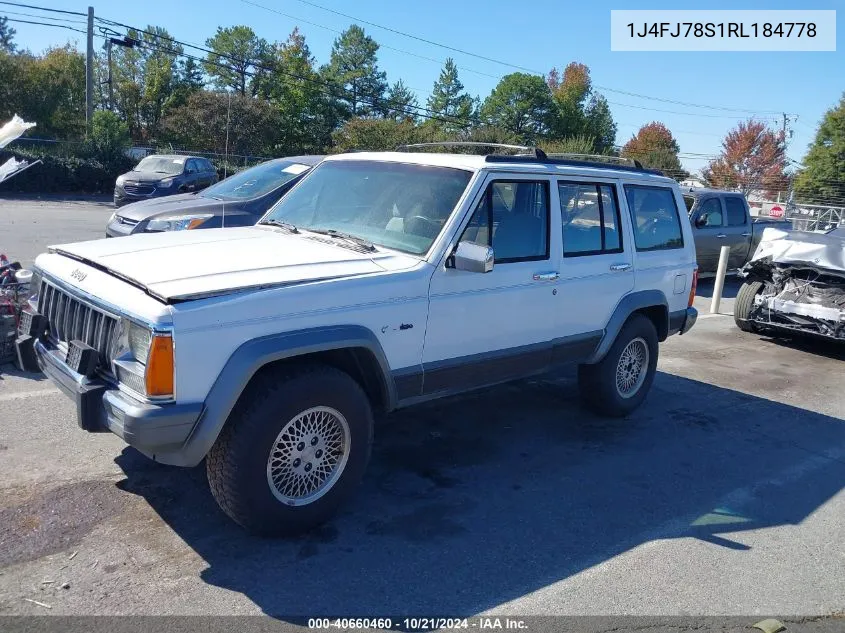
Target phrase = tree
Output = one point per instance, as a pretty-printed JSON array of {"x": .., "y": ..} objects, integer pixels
[
  {"x": 823, "y": 176},
  {"x": 580, "y": 110},
  {"x": 236, "y": 51},
  {"x": 159, "y": 74},
  {"x": 109, "y": 135},
  {"x": 448, "y": 99},
  {"x": 521, "y": 104},
  {"x": 571, "y": 145},
  {"x": 374, "y": 134},
  {"x": 353, "y": 69},
  {"x": 55, "y": 92},
  {"x": 753, "y": 160},
  {"x": 7, "y": 35},
  {"x": 401, "y": 103},
  {"x": 296, "y": 90},
  {"x": 201, "y": 124},
  {"x": 654, "y": 146}
]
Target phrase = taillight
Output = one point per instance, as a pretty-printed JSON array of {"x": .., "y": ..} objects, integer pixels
[{"x": 693, "y": 287}]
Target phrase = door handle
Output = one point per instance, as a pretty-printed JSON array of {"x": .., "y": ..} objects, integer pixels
[
  {"x": 746, "y": 235},
  {"x": 553, "y": 276},
  {"x": 619, "y": 267},
  {"x": 721, "y": 236}
]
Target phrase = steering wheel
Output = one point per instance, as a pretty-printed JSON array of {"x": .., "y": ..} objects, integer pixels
[{"x": 422, "y": 226}]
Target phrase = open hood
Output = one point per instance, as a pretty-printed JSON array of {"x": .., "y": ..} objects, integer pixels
[{"x": 181, "y": 265}]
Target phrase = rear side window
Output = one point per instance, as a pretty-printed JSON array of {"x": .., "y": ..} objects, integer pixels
[
  {"x": 654, "y": 215},
  {"x": 589, "y": 219},
  {"x": 735, "y": 211}
]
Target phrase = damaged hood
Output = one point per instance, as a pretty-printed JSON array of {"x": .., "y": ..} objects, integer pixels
[
  {"x": 181, "y": 265},
  {"x": 798, "y": 248}
]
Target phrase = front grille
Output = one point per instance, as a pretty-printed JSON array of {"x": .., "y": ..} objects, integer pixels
[
  {"x": 127, "y": 221},
  {"x": 72, "y": 320},
  {"x": 138, "y": 189}
]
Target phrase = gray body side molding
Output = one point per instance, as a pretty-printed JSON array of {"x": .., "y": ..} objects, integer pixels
[
  {"x": 248, "y": 359},
  {"x": 629, "y": 304}
]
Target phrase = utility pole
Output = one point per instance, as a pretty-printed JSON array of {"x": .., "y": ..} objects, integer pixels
[
  {"x": 89, "y": 74},
  {"x": 111, "y": 83}
]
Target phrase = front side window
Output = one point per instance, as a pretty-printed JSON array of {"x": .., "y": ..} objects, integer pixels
[
  {"x": 395, "y": 205},
  {"x": 735, "y": 211},
  {"x": 589, "y": 219},
  {"x": 710, "y": 214},
  {"x": 654, "y": 215},
  {"x": 513, "y": 218}
]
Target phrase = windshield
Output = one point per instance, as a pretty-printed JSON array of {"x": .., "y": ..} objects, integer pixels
[
  {"x": 162, "y": 165},
  {"x": 255, "y": 181},
  {"x": 399, "y": 206}
]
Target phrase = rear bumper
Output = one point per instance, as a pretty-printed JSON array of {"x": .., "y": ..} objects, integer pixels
[
  {"x": 681, "y": 322},
  {"x": 153, "y": 429}
]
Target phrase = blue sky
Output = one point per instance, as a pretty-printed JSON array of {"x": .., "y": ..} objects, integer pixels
[{"x": 536, "y": 35}]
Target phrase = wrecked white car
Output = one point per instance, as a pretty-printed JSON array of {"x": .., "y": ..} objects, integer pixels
[{"x": 795, "y": 284}]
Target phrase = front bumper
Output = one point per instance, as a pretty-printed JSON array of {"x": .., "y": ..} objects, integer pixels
[{"x": 153, "y": 429}]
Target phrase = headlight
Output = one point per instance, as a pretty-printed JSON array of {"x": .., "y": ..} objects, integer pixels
[
  {"x": 177, "y": 222},
  {"x": 34, "y": 290},
  {"x": 143, "y": 360},
  {"x": 120, "y": 179},
  {"x": 166, "y": 183}
]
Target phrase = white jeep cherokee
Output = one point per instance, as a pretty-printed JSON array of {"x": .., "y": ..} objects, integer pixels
[{"x": 380, "y": 281}]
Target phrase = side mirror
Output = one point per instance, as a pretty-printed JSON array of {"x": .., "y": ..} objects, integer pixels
[
  {"x": 474, "y": 258},
  {"x": 700, "y": 222}
]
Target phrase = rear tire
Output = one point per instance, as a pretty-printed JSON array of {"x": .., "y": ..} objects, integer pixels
[
  {"x": 619, "y": 383},
  {"x": 293, "y": 450},
  {"x": 744, "y": 304}
]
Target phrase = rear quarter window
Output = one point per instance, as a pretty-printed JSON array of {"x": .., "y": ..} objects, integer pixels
[{"x": 654, "y": 217}]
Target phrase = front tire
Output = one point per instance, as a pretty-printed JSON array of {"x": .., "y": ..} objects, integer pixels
[
  {"x": 293, "y": 450},
  {"x": 619, "y": 383},
  {"x": 744, "y": 304}
]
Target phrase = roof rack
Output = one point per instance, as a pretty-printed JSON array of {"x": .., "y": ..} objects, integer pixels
[
  {"x": 600, "y": 158},
  {"x": 533, "y": 152},
  {"x": 536, "y": 155}
]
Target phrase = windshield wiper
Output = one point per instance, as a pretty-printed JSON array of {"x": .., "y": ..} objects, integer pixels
[
  {"x": 358, "y": 241},
  {"x": 291, "y": 228}
]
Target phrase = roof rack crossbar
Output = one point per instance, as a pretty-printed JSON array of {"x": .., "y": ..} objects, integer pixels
[
  {"x": 536, "y": 152},
  {"x": 600, "y": 158}
]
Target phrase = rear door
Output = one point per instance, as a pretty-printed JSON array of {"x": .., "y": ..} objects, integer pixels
[
  {"x": 192, "y": 175},
  {"x": 737, "y": 230},
  {"x": 597, "y": 268},
  {"x": 708, "y": 228}
]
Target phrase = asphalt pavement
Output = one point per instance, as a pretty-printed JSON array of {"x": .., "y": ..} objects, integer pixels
[{"x": 723, "y": 495}]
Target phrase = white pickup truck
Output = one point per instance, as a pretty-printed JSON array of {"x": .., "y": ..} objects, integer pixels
[{"x": 380, "y": 281}]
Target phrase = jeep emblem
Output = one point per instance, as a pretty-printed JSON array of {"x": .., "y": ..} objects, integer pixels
[{"x": 78, "y": 275}]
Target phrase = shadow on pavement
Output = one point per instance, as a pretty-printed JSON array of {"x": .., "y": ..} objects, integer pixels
[
  {"x": 731, "y": 288},
  {"x": 482, "y": 499}
]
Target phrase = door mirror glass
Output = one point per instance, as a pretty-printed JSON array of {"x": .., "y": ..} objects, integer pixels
[
  {"x": 473, "y": 257},
  {"x": 701, "y": 222}
]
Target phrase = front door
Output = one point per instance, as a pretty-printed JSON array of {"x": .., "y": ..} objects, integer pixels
[
  {"x": 489, "y": 327},
  {"x": 707, "y": 226}
]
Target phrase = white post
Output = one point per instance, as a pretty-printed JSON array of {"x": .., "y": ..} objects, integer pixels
[{"x": 719, "y": 284}]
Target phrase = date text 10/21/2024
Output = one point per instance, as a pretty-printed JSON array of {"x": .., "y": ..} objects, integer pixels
[{"x": 419, "y": 624}]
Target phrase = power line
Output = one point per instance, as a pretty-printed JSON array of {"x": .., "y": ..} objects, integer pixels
[
  {"x": 32, "y": 6},
  {"x": 44, "y": 17},
  {"x": 515, "y": 66},
  {"x": 385, "y": 46},
  {"x": 701, "y": 114},
  {"x": 58, "y": 26}
]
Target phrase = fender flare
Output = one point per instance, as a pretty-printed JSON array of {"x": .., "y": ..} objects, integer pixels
[
  {"x": 251, "y": 356},
  {"x": 629, "y": 304}
]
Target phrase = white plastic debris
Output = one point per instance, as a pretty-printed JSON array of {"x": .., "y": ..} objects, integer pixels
[{"x": 13, "y": 130}]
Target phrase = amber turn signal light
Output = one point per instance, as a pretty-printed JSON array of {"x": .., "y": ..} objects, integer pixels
[{"x": 159, "y": 375}]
